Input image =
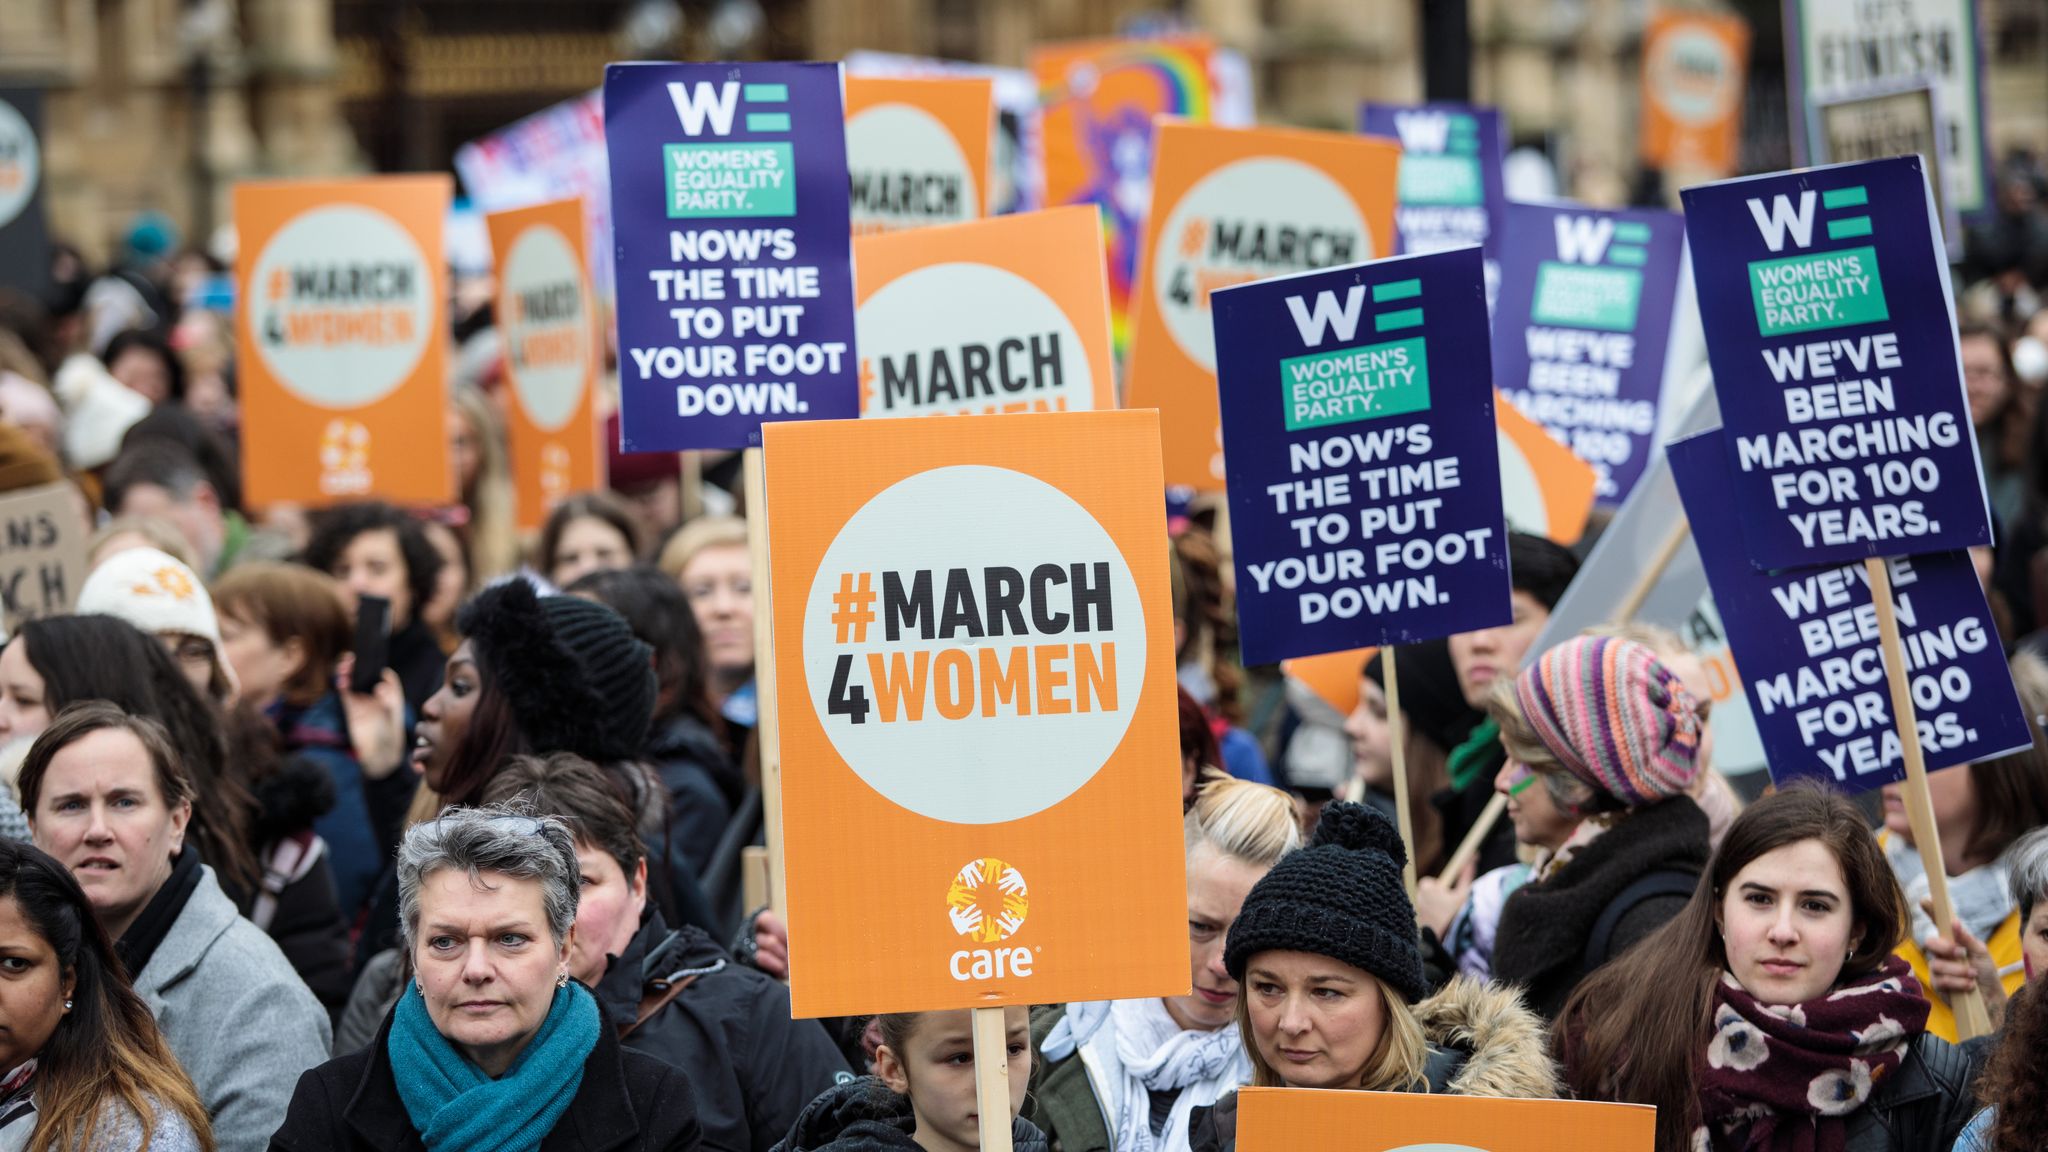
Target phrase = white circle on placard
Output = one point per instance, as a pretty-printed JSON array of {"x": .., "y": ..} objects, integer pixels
[
  {"x": 547, "y": 325},
  {"x": 1693, "y": 74},
  {"x": 21, "y": 164},
  {"x": 951, "y": 316},
  {"x": 1266, "y": 192},
  {"x": 995, "y": 762},
  {"x": 915, "y": 145},
  {"x": 341, "y": 305}
]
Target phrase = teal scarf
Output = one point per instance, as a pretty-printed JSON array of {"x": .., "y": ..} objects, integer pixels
[{"x": 456, "y": 1108}]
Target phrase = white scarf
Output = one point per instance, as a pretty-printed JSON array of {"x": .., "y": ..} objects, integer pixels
[
  {"x": 1142, "y": 1051},
  {"x": 1981, "y": 896}
]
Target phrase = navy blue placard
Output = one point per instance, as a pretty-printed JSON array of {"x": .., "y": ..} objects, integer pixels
[
  {"x": 733, "y": 251},
  {"x": 1451, "y": 189},
  {"x": 1832, "y": 334},
  {"x": 1581, "y": 329},
  {"x": 1806, "y": 648},
  {"x": 1360, "y": 452}
]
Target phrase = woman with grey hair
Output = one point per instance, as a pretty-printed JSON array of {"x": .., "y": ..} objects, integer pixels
[{"x": 493, "y": 1046}]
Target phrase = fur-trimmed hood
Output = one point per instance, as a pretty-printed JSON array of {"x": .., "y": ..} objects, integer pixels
[{"x": 1505, "y": 1048}]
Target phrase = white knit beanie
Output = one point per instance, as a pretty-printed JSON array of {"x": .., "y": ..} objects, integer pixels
[{"x": 155, "y": 592}]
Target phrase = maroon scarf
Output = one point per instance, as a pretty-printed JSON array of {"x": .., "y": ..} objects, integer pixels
[{"x": 1787, "y": 1078}]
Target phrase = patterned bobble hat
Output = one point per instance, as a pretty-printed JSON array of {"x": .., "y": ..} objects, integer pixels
[
  {"x": 1614, "y": 717},
  {"x": 1340, "y": 897}
]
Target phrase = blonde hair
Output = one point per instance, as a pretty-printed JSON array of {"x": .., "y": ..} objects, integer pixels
[
  {"x": 1517, "y": 735},
  {"x": 1396, "y": 1065},
  {"x": 696, "y": 536},
  {"x": 1254, "y": 823},
  {"x": 161, "y": 534}
]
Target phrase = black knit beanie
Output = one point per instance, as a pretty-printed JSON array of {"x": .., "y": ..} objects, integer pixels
[
  {"x": 576, "y": 677},
  {"x": 1340, "y": 897},
  {"x": 1429, "y": 692}
]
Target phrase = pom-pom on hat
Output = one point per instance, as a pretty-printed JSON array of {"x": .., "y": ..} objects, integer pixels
[
  {"x": 577, "y": 678},
  {"x": 1615, "y": 717},
  {"x": 1341, "y": 897}
]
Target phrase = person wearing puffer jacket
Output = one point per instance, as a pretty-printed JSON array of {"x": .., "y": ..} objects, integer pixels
[
  {"x": 922, "y": 1086},
  {"x": 1331, "y": 987}
]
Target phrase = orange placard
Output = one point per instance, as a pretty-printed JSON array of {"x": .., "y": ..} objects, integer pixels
[
  {"x": 1230, "y": 205},
  {"x": 1003, "y": 315},
  {"x": 980, "y": 742},
  {"x": 342, "y": 340},
  {"x": 547, "y": 315},
  {"x": 1545, "y": 489},
  {"x": 918, "y": 150},
  {"x": 1694, "y": 64},
  {"x": 1100, "y": 99},
  {"x": 1333, "y": 676},
  {"x": 1309, "y": 1120}
]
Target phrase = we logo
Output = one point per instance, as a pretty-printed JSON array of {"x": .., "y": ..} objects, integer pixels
[
  {"x": 1426, "y": 132},
  {"x": 1328, "y": 315},
  {"x": 700, "y": 102},
  {"x": 1583, "y": 239},
  {"x": 1783, "y": 218}
]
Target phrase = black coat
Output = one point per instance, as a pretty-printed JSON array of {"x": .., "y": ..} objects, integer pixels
[
  {"x": 702, "y": 784},
  {"x": 752, "y": 1067},
  {"x": 865, "y": 1116},
  {"x": 1545, "y": 927},
  {"x": 1922, "y": 1108},
  {"x": 628, "y": 1102}
]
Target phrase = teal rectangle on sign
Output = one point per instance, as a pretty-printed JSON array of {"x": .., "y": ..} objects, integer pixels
[
  {"x": 721, "y": 180},
  {"x": 767, "y": 121},
  {"x": 1355, "y": 384},
  {"x": 1849, "y": 228},
  {"x": 1845, "y": 197},
  {"x": 1405, "y": 318},
  {"x": 1816, "y": 291},
  {"x": 1396, "y": 290},
  {"x": 765, "y": 93},
  {"x": 1632, "y": 232},
  {"x": 1440, "y": 180},
  {"x": 1580, "y": 297},
  {"x": 1630, "y": 255}
]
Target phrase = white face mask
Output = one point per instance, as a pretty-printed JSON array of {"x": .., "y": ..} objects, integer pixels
[{"x": 2030, "y": 360}]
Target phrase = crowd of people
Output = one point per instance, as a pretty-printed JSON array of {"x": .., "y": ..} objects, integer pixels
[{"x": 495, "y": 896}]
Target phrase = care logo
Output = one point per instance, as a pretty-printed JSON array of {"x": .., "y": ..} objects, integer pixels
[
  {"x": 924, "y": 180},
  {"x": 987, "y": 903},
  {"x": 973, "y": 644},
  {"x": 344, "y": 458},
  {"x": 1255, "y": 218},
  {"x": 342, "y": 305},
  {"x": 21, "y": 163},
  {"x": 959, "y": 339},
  {"x": 547, "y": 326}
]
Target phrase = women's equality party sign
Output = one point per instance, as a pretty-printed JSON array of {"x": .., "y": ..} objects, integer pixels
[
  {"x": 1807, "y": 649},
  {"x": 732, "y": 251},
  {"x": 1582, "y": 327},
  {"x": 974, "y": 666},
  {"x": 1832, "y": 333},
  {"x": 1364, "y": 475}
]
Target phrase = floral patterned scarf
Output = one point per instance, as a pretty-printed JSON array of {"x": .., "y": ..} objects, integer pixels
[{"x": 1786, "y": 1078}]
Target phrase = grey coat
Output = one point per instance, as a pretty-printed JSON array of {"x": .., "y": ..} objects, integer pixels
[{"x": 235, "y": 1014}]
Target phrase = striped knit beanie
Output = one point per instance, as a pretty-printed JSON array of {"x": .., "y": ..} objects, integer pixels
[{"x": 1614, "y": 717}]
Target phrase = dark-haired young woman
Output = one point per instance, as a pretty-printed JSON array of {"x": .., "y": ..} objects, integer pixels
[
  {"x": 1772, "y": 1012},
  {"x": 82, "y": 1064}
]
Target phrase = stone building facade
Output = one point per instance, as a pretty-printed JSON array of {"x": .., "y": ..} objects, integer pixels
[{"x": 163, "y": 104}]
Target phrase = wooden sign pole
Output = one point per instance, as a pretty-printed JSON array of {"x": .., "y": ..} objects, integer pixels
[
  {"x": 1638, "y": 595},
  {"x": 1972, "y": 1019},
  {"x": 767, "y": 732},
  {"x": 992, "y": 1078},
  {"x": 1397, "y": 742}
]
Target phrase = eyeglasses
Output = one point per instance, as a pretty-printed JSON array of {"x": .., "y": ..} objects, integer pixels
[{"x": 193, "y": 650}]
